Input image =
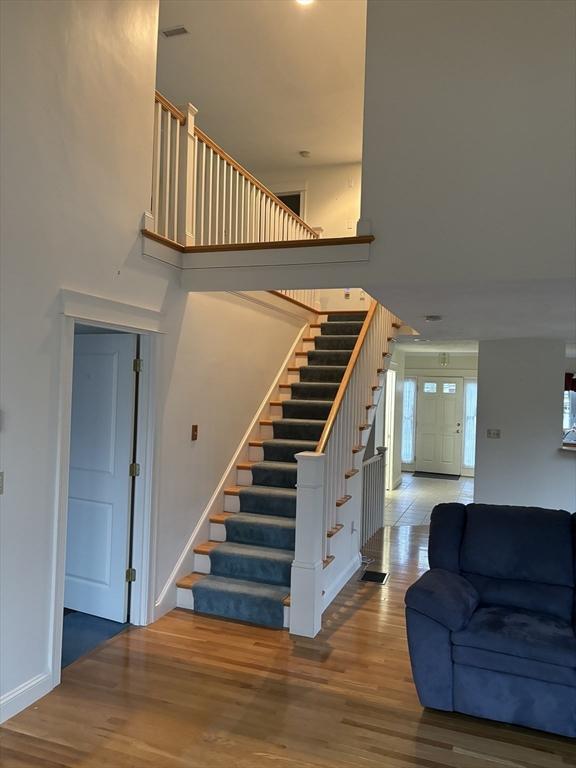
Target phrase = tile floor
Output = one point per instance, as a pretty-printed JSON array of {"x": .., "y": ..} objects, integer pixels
[{"x": 413, "y": 501}]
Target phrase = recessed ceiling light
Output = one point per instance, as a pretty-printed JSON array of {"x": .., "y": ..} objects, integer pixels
[
  {"x": 432, "y": 318},
  {"x": 175, "y": 31},
  {"x": 304, "y": 2}
]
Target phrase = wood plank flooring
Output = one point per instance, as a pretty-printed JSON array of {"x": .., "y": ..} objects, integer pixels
[{"x": 191, "y": 691}]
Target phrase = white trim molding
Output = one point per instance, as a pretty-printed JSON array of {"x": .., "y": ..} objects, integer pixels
[
  {"x": 113, "y": 314},
  {"x": 24, "y": 695}
]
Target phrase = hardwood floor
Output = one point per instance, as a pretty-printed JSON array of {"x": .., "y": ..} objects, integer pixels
[{"x": 190, "y": 691}]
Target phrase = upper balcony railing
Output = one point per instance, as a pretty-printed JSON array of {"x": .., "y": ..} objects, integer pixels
[{"x": 202, "y": 196}]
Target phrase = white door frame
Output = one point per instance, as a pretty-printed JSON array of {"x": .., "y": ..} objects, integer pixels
[
  {"x": 88, "y": 310},
  {"x": 389, "y": 426}
]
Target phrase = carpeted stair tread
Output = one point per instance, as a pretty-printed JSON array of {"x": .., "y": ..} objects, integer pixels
[
  {"x": 275, "y": 473},
  {"x": 314, "y": 390},
  {"x": 337, "y": 317},
  {"x": 255, "y": 563},
  {"x": 304, "y": 429},
  {"x": 254, "y": 602},
  {"x": 317, "y": 373},
  {"x": 306, "y": 409},
  {"x": 329, "y": 356},
  {"x": 342, "y": 327},
  {"x": 335, "y": 342},
  {"x": 261, "y": 530},
  {"x": 267, "y": 500},
  {"x": 286, "y": 450}
]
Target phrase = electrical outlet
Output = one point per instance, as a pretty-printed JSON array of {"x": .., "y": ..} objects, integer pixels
[{"x": 493, "y": 434}]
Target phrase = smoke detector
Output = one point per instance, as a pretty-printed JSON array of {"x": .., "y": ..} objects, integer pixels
[
  {"x": 432, "y": 318},
  {"x": 175, "y": 31}
]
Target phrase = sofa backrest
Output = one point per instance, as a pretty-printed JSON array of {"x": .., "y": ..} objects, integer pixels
[{"x": 514, "y": 556}]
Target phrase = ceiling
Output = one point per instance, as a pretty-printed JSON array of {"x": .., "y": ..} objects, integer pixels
[{"x": 269, "y": 77}]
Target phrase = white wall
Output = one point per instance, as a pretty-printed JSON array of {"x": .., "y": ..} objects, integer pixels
[
  {"x": 429, "y": 365},
  {"x": 335, "y": 298},
  {"x": 332, "y": 194},
  {"x": 520, "y": 385},
  {"x": 468, "y": 163},
  {"x": 77, "y": 107}
]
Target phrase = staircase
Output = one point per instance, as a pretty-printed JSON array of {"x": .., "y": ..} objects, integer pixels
[{"x": 244, "y": 571}]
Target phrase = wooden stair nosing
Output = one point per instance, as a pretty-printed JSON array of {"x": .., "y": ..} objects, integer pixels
[
  {"x": 351, "y": 473},
  {"x": 206, "y": 547},
  {"x": 187, "y": 582},
  {"x": 233, "y": 490},
  {"x": 333, "y": 531},
  {"x": 256, "y": 443},
  {"x": 220, "y": 517},
  {"x": 245, "y": 465},
  {"x": 358, "y": 448},
  {"x": 342, "y": 500},
  {"x": 327, "y": 560}
]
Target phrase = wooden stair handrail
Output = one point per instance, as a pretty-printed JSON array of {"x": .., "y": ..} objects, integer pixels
[
  {"x": 203, "y": 137},
  {"x": 336, "y": 405},
  {"x": 169, "y": 107}
]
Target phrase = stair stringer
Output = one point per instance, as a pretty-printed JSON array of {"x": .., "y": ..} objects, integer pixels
[{"x": 168, "y": 598}]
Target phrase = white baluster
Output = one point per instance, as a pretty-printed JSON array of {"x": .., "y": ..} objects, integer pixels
[
  {"x": 217, "y": 201},
  {"x": 224, "y": 200},
  {"x": 230, "y": 205},
  {"x": 202, "y": 192},
  {"x": 156, "y": 161},
  {"x": 167, "y": 143},
  {"x": 185, "y": 214}
]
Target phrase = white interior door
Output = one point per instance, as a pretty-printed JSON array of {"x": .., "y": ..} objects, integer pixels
[
  {"x": 97, "y": 544},
  {"x": 389, "y": 427},
  {"x": 439, "y": 425}
]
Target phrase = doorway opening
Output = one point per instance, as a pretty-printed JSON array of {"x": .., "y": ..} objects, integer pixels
[{"x": 103, "y": 471}]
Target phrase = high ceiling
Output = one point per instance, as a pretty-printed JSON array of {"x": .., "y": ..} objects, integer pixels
[{"x": 269, "y": 77}]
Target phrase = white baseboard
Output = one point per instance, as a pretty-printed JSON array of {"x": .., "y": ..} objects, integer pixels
[
  {"x": 345, "y": 576},
  {"x": 24, "y": 695}
]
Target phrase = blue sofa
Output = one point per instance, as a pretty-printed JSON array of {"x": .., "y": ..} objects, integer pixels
[{"x": 491, "y": 626}]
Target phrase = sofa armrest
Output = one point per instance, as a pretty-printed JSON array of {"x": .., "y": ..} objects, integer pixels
[{"x": 445, "y": 597}]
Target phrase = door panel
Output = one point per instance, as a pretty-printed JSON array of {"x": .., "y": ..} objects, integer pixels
[
  {"x": 99, "y": 500},
  {"x": 439, "y": 425}
]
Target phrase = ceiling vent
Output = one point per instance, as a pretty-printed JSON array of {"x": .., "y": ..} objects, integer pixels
[{"x": 174, "y": 31}]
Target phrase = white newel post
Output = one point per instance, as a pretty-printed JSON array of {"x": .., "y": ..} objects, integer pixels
[
  {"x": 186, "y": 180},
  {"x": 306, "y": 586}
]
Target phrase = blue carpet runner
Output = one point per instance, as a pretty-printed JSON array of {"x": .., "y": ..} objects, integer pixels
[{"x": 250, "y": 572}]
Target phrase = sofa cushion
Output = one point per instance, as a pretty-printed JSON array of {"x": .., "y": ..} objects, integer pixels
[
  {"x": 522, "y": 543},
  {"x": 446, "y": 530},
  {"x": 513, "y": 665},
  {"x": 520, "y": 633},
  {"x": 540, "y": 598}
]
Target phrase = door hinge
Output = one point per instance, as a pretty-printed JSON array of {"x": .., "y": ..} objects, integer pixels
[
  {"x": 137, "y": 365},
  {"x": 134, "y": 470},
  {"x": 130, "y": 574}
]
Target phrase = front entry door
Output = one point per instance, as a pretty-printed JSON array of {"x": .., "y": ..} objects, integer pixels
[
  {"x": 439, "y": 425},
  {"x": 99, "y": 498}
]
